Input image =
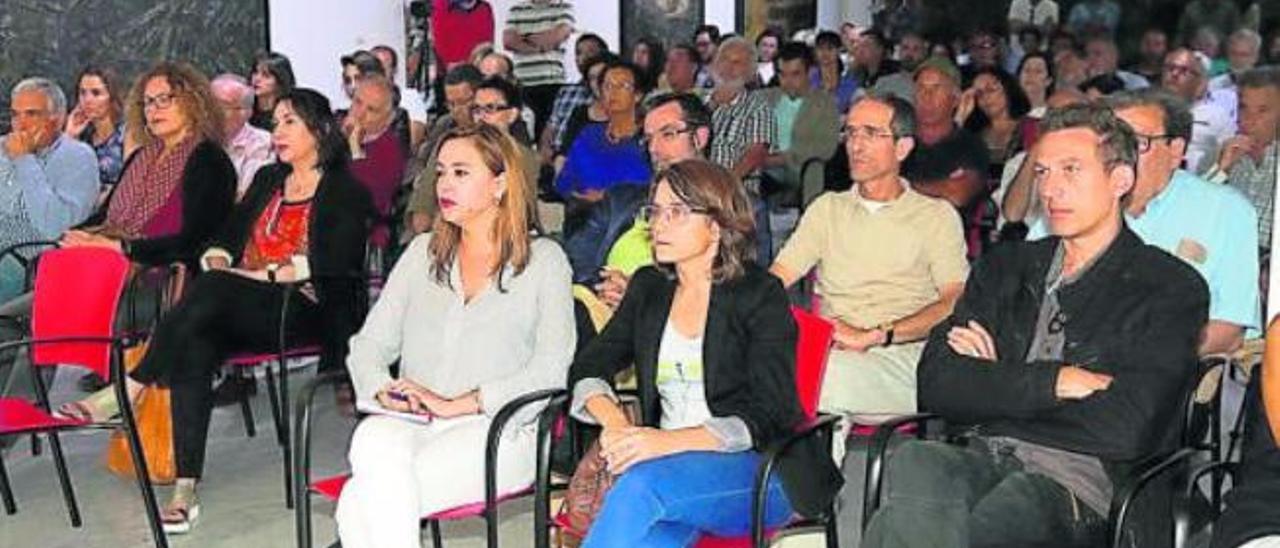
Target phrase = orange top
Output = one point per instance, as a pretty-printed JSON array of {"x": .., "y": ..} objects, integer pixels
[{"x": 279, "y": 234}]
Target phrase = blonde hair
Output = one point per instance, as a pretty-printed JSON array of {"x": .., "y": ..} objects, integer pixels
[
  {"x": 501, "y": 155},
  {"x": 191, "y": 93}
]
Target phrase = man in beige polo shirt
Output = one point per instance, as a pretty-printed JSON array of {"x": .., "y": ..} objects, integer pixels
[{"x": 890, "y": 265}]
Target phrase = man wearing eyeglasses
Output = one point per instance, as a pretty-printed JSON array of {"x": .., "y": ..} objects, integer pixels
[
  {"x": 1067, "y": 358},
  {"x": 1186, "y": 73},
  {"x": 1211, "y": 227},
  {"x": 891, "y": 263},
  {"x": 48, "y": 182},
  {"x": 248, "y": 147}
]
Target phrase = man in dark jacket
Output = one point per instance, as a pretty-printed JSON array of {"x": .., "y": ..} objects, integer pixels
[{"x": 1068, "y": 358}]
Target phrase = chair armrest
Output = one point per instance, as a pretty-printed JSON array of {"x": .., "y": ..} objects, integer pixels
[
  {"x": 875, "y": 459},
  {"x": 807, "y": 195},
  {"x": 494, "y": 438},
  {"x": 822, "y": 425},
  {"x": 1142, "y": 475},
  {"x": 557, "y": 408},
  {"x": 1182, "y": 505}
]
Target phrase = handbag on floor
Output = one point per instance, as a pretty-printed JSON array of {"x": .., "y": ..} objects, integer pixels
[
  {"x": 155, "y": 431},
  {"x": 587, "y": 489}
]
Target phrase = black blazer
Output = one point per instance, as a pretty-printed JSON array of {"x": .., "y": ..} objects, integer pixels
[
  {"x": 748, "y": 362},
  {"x": 208, "y": 195},
  {"x": 338, "y": 231}
]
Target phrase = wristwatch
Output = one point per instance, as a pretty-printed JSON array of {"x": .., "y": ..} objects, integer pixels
[{"x": 887, "y": 328}]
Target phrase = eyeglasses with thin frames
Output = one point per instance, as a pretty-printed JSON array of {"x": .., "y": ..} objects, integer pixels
[{"x": 673, "y": 214}]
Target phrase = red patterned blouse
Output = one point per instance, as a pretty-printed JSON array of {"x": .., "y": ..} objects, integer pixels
[{"x": 279, "y": 234}]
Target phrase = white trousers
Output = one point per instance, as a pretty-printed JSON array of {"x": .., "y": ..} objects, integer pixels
[{"x": 402, "y": 471}]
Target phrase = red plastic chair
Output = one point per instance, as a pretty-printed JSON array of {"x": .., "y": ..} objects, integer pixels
[
  {"x": 73, "y": 313},
  {"x": 331, "y": 487},
  {"x": 812, "y": 348}
]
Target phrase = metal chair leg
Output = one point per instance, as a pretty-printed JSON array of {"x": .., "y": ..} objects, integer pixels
[
  {"x": 64, "y": 478},
  {"x": 436, "y": 540},
  {"x": 284, "y": 434},
  {"x": 274, "y": 396},
  {"x": 6, "y": 491},
  {"x": 246, "y": 411}
]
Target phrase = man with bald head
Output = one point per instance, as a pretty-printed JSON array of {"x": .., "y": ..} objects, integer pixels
[
  {"x": 1186, "y": 74},
  {"x": 248, "y": 146},
  {"x": 1103, "y": 58},
  {"x": 378, "y": 161}
]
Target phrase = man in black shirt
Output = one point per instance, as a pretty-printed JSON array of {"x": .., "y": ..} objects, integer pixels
[
  {"x": 1068, "y": 357},
  {"x": 948, "y": 161}
]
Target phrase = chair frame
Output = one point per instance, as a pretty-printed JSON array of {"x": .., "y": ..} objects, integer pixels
[
  {"x": 1147, "y": 471},
  {"x": 115, "y": 369},
  {"x": 556, "y": 399}
]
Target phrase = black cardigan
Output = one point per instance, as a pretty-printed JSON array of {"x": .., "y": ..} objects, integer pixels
[
  {"x": 1136, "y": 315},
  {"x": 749, "y": 364},
  {"x": 208, "y": 195},
  {"x": 338, "y": 229}
]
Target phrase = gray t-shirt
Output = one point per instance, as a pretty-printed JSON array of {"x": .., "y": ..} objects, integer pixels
[{"x": 1081, "y": 474}]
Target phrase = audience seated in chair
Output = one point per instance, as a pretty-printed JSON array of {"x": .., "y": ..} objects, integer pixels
[
  {"x": 477, "y": 313},
  {"x": 744, "y": 128},
  {"x": 248, "y": 147},
  {"x": 1069, "y": 356},
  {"x": 98, "y": 121},
  {"x": 1210, "y": 227},
  {"x": 604, "y": 156},
  {"x": 1186, "y": 73},
  {"x": 890, "y": 264},
  {"x": 49, "y": 180},
  {"x": 807, "y": 124},
  {"x": 377, "y": 159},
  {"x": 1248, "y": 160},
  {"x": 713, "y": 343},
  {"x": 303, "y": 221}
]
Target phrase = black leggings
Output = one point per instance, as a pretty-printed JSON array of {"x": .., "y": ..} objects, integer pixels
[{"x": 221, "y": 314}]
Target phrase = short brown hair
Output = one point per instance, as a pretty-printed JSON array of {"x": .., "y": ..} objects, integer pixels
[
  {"x": 706, "y": 186},
  {"x": 191, "y": 93}
]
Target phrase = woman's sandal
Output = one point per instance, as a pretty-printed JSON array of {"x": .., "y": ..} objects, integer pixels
[
  {"x": 97, "y": 407},
  {"x": 180, "y": 515}
]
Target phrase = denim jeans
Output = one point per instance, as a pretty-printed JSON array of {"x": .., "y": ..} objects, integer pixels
[
  {"x": 764, "y": 238},
  {"x": 946, "y": 496},
  {"x": 674, "y": 500}
]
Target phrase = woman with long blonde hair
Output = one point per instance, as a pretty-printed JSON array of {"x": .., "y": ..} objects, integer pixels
[{"x": 477, "y": 312}]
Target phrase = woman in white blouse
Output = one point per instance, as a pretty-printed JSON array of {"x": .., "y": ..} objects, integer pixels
[{"x": 478, "y": 312}]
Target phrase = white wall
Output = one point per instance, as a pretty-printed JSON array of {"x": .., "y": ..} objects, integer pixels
[{"x": 314, "y": 34}]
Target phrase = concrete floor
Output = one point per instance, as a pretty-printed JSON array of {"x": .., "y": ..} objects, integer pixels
[
  {"x": 242, "y": 501},
  {"x": 242, "y": 497}
]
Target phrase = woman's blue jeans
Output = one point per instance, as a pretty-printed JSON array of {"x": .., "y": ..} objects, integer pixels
[{"x": 674, "y": 500}]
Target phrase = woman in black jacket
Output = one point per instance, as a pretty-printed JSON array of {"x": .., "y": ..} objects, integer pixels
[
  {"x": 177, "y": 189},
  {"x": 713, "y": 344},
  {"x": 304, "y": 219}
]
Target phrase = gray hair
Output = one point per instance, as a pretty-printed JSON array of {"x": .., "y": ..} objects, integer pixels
[
  {"x": 52, "y": 92},
  {"x": 903, "y": 122},
  {"x": 239, "y": 83},
  {"x": 1248, "y": 36},
  {"x": 1175, "y": 111},
  {"x": 736, "y": 42},
  {"x": 1117, "y": 144}
]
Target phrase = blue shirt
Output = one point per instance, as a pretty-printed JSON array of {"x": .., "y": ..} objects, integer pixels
[
  {"x": 1214, "y": 229},
  {"x": 45, "y": 193},
  {"x": 845, "y": 90},
  {"x": 595, "y": 163}
]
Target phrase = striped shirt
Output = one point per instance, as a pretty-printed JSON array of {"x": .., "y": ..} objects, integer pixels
[{"x": 530, "y": 17}]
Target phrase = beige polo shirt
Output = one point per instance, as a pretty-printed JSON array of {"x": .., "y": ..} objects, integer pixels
[{"x": 878, "y": 262}]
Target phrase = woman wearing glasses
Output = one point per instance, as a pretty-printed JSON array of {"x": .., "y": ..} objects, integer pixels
[
  {"x": 179, "y": 186},
  {"x": 609, "y": 154},
  {"x": 713, "y": 345}
]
